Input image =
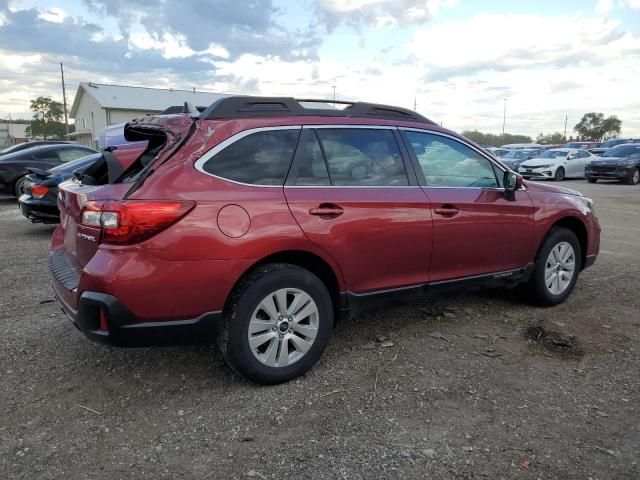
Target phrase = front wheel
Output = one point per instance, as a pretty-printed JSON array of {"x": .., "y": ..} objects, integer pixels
[
  {"x": 277, "y": 324},
  {"x": 592, "y": 180},
  {"x": 634, "y": 177},
  {"x": 559, "y": 175},
  {"x": 556, "y": 268}
]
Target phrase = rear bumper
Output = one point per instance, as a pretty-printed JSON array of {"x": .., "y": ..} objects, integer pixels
[
  {"x": 125, "y": 330},
  {"x": 38, "y": 211}
]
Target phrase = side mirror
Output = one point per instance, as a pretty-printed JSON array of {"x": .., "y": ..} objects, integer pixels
[{"x": 512, "y": 181}]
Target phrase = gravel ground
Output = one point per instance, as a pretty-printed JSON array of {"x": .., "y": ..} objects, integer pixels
[{"x": 475, "y": 385}]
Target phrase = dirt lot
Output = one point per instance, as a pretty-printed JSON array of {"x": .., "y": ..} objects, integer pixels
[{"x": 473, "y": 386}]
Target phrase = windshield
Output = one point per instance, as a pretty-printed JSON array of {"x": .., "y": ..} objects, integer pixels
[
  {"x": 553, "y": 154},
  {"x": 632, "y": 151},
  {"x": 515, "y": 154},
  {"x": 612, "y": 143}
]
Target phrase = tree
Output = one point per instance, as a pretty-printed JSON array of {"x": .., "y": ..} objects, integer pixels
[
  {"x": 551, "y": 138},
  {"x": 495, "y": 140},
  {"x": 47, "y": 118},
  {"x": 594, "y": 126}
]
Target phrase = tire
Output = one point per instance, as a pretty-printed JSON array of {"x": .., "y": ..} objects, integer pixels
[
  {"x": 18, "y": 186},
  {"x": 592, "y": 180},
  {"x": 537, "y": 286},
  {"x": 559, "y": 175},
  {"x": 249, "y": 308},
  {"x": 634, "y": 177}
]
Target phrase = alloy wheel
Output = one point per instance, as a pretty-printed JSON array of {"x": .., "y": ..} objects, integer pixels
[
  {"x": 283, "y": 327},
  {"x": 560, "y": 268},
  {"x": 635, "y": 179}
]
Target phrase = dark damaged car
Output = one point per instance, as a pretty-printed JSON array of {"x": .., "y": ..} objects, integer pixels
[{"x": 14, "y": 166}]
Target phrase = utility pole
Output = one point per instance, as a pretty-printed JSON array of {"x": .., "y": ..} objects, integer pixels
[
  {"x": 504, "y": 117},
  {"x": 64, "y": 101},
  {"x": 11, "y": 137},
  {"x": 334, "y": 92},
  {"x": 415, "y": 104},
  {"x": 566, "y": 117}
]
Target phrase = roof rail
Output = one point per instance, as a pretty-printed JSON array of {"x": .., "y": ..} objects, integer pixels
[{"x": 248, "y": 106}]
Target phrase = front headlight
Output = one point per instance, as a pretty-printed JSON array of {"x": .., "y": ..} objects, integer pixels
[
  {"x": 627, "y": 163},
  {"x": 589, "y": 204}
]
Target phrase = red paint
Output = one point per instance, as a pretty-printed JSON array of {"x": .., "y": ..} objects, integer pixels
[
  {"x": 371, "y": 238},
  {"x": 233, "y": 221}
]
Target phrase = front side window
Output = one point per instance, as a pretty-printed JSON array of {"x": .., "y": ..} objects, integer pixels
[
  {"x": 362, "y": 157},
  {"x": 448, "y": 163},
  {"x": 260, "y": 158}
]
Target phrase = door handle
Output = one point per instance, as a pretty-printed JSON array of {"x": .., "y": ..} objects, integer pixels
[
  {"x": 446, "y": 211},
  {"x": 327, "y": 210}
]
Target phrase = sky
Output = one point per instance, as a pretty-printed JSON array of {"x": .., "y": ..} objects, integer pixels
[{"x": 456, "y": 61}]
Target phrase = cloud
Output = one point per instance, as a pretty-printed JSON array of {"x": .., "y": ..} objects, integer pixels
[
  {"x": 604, "y": 6},
  {"x": 506, "y": 42},
  {"x": 379, "y": 13},
  {"x": 240, "y": 27}
]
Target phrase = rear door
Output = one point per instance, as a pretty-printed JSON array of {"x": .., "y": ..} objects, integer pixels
[
  {"x": 352, "y": 194},
  {"x": 477, "y": 230}
]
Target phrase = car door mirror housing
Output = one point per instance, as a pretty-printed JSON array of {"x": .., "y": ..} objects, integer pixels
[{"x": 512, "y": 181}]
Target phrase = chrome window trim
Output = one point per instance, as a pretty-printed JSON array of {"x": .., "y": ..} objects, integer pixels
[
  {"x": 199, "y": 164},
  {"x": 244, "y": 133}
]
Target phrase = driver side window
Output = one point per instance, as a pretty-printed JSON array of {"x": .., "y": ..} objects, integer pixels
[{"x": 447, "y": 162}]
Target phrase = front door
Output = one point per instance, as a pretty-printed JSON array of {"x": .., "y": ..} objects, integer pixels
[
  {"x": 477, "y": 230},
  {"x": 351, "y": 193}
]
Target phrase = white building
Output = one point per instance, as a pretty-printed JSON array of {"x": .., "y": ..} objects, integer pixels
[
  {"x": 12, "y": 133},
  {"x": 97, "y": 105}
]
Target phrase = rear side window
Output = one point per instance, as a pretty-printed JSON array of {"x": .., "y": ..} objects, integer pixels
[
  {"x": 260, "y": 158},
  {"x": 362, "y": 157},
  {"x": 448, "y": 163}
]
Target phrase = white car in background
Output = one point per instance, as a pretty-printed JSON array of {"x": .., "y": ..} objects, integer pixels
[{"x": 557, "y": 164}]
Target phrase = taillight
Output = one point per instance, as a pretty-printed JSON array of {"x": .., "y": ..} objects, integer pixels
[
  {"x": 39, "y": 191},
  {"x": 126, "y": 222}
]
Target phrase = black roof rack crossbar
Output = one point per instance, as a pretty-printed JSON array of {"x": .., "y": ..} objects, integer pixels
[{"x": 248, "y": 106}]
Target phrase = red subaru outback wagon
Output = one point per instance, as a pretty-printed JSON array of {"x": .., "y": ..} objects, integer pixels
[{"x": 262, "y": 221}]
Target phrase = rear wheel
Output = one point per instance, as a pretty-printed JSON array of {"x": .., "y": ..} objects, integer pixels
[
  {"x": 559, "y": 175},
  {"x": 634, "y": 177},
  {"x": 556, "y": 268},
  {"x": 277, "y": 324},
  {"x": 19, "y": 186},
  {"x": 592, "y": 180}
]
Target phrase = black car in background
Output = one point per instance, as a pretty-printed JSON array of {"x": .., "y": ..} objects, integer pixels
[
  {"x": 514, "y": 158},
  {"x": 621, "y": 162},
  {"x": 604, "y": 146},
  {"x": 39, "y": 202},
  {"x": 23, "y": 146},
  {"x": 13, "y": 166}
]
